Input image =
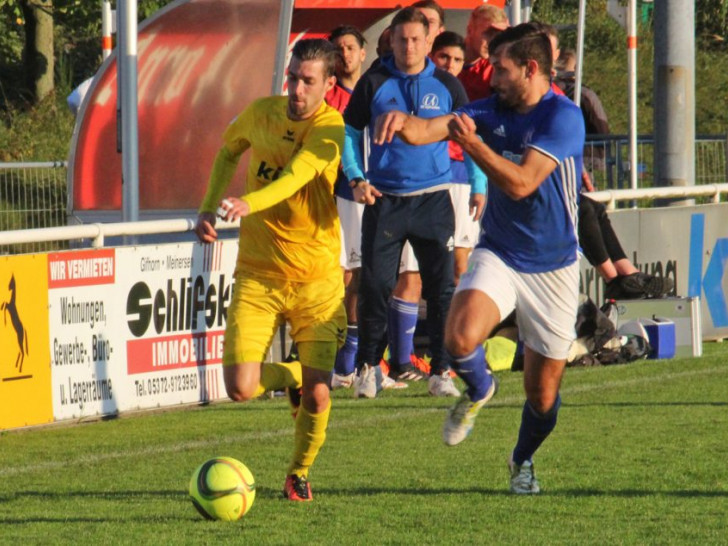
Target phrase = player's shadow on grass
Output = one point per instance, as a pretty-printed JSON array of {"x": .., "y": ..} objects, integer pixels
[
  {"x": 674, "y": 403},
  {"x": 111, "y": 495},
  {"x": 637, "y": 493},
  {"x": 566, "y": 493}
]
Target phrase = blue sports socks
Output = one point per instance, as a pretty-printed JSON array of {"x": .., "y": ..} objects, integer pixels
[
  {"x": 473, "y": 370},
  {"x": 535, "y": 428},
  {"x": 401, "y": 324},
  {"x": 346, "y": 357}
]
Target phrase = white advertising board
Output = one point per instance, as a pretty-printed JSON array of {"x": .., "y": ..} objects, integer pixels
[
  {"x": 137, "y": 327},
  {"x": 689, "y": 244}
]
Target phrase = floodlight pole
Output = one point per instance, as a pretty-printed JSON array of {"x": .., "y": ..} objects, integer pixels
[
  {"x": 632, "y": 79},
  {"x": 674, "y": 94},
  {"x": 127, "y": 101},
  {"x": 516, "y": 15},
  {"x": 284, "y": 33},
  {"x": 579, "y": 51}
]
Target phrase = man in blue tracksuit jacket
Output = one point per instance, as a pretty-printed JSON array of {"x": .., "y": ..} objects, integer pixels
[{"x": 406, "y": 190}]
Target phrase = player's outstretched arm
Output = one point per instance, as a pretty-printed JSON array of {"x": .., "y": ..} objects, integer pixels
[{"x": 410, "y": 129}]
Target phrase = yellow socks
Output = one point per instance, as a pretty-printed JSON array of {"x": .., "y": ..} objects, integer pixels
[{"x": 310, "y": 436}]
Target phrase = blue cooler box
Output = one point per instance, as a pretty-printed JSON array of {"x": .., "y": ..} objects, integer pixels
[{"x": 661, "y": 333}]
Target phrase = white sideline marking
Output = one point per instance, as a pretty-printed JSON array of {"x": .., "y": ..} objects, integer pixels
[{"x": 260, "y": 435}]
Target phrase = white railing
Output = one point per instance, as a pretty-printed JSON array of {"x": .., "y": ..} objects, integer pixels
[
  {"x": 98, "y": 231},
  {"x": 611, "y": 197}
]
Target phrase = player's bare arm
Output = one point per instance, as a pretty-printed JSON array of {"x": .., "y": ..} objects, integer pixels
[
  {"x": 411, "y": 129},
  {"x": 364, "y": 192},
  {"x": 516, "y": 180},
  {"x": 477, "y": 206},
  {"x": 205, "y": 228}
]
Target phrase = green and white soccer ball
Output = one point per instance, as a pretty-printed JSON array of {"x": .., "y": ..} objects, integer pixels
[{"x": 222, "y": 488}]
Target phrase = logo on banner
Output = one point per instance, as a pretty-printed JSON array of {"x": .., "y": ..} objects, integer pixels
[
  {"x": 81, "y": 268},
  {"x": 712, "y": 281},
  {"x": 212, "y": 258},
  {"x": 9, "y": 308}
]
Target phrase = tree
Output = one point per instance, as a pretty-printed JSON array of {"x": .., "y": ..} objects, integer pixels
[
  {"x": 33, "y": 25},
  {"x": 38, "y": 53}
]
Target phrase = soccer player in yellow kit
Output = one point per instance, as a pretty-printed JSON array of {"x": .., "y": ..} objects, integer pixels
[{"x": 288, "y": 258}]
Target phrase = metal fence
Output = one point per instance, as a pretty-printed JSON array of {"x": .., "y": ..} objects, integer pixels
[
  {"x": 33, "y": 195},
  {"x": 607, "y": 159}
]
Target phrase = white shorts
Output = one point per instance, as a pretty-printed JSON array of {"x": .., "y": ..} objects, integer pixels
[
  {"x": 407, "y": 261},
  {"x": 545, "y": 303},
  {"x": 350, "y": 214},
  {"x": 467, "y": 230}
]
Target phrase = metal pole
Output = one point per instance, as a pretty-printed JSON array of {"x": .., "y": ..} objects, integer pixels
[
  {"x": 526, "y": 11},
  {"x": 129, "y": 113},
  {"x": 120, "y": 45},
  {"x": 579, "y": 51},
  {"x": 632, "y": 79},
  {"x": 674, "y": 94},
  {"x": 515, "y": 12},
  {"x": 284, "y": 33},
  {"x": 107, "y": 44}
]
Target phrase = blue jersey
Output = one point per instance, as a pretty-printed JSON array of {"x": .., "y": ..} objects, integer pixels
[
  {"x": 398, "y": 167},
  {"x": 537, "y": 233}
]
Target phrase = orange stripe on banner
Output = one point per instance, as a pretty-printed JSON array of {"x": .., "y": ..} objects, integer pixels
[
  {"x": 631, "y": 42},
  {"x": 107, "y": 42}
]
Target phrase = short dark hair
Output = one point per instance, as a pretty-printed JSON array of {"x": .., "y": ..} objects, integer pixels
[
  {"x": 317, "y": 49},
  {"x": 431, "y": 4},
  {"x": 567, "y": 56},
  {"x": 346, "y": 30},
  {"x": 448, "y": 39},
  {"x": 547, "y": 29},
  {"x": 410, "y": 15},
  {"x": 524, "y": 42}
]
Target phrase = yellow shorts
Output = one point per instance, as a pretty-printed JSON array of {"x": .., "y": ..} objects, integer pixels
[{"x": 314, "y": 310}]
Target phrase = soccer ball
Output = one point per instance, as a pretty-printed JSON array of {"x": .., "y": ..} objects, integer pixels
[{"x": 222, "y": 488}]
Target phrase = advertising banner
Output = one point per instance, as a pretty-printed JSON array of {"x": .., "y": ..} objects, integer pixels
[
  {"x": 25, "y": 373},
  {"x": 137, "y": 327},
  {"x": 687, "y": 244}
]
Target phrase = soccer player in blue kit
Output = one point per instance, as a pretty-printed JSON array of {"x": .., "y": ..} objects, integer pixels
[{"x": 526, "y": 259}]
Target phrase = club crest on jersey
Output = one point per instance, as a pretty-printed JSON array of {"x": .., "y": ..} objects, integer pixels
[
  {"x": 430, "y": 102},
  {"x": 268, "y": 172}
]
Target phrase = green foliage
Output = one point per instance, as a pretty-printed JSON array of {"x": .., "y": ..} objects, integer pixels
[
  {"x": 605, "y": 64},
  {"x": 711, "y": 22},
  {"x": 41, "y": 133},
  {"x": 638, "y": 457}
]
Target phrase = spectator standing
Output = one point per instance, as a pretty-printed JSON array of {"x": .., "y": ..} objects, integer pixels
[{"x": 405, "y": 189}]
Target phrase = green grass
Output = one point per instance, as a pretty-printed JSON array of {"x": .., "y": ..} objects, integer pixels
[{"x": 638, "y": 457}]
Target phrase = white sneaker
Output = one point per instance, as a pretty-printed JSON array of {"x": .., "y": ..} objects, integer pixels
[
  {"x": 523, "y": 478},
  {"x": 339, "y": 381},
  {"x": 386, "y": 382},
  {"x": 442, "y": 385},
  {"x": 461, "y": 418},
  {"x": 365, "y": 382}
]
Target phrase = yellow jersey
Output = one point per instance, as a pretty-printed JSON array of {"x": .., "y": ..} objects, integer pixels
[{"x": 293, "y": 229}]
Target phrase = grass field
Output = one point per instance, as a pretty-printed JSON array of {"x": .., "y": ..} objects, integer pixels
[{"x": 639, "y": 457}]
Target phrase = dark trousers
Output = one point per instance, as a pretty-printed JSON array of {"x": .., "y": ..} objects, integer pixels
[
  {"x": 427, "y": 221},
  {"x": 596, "y": 235}
]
